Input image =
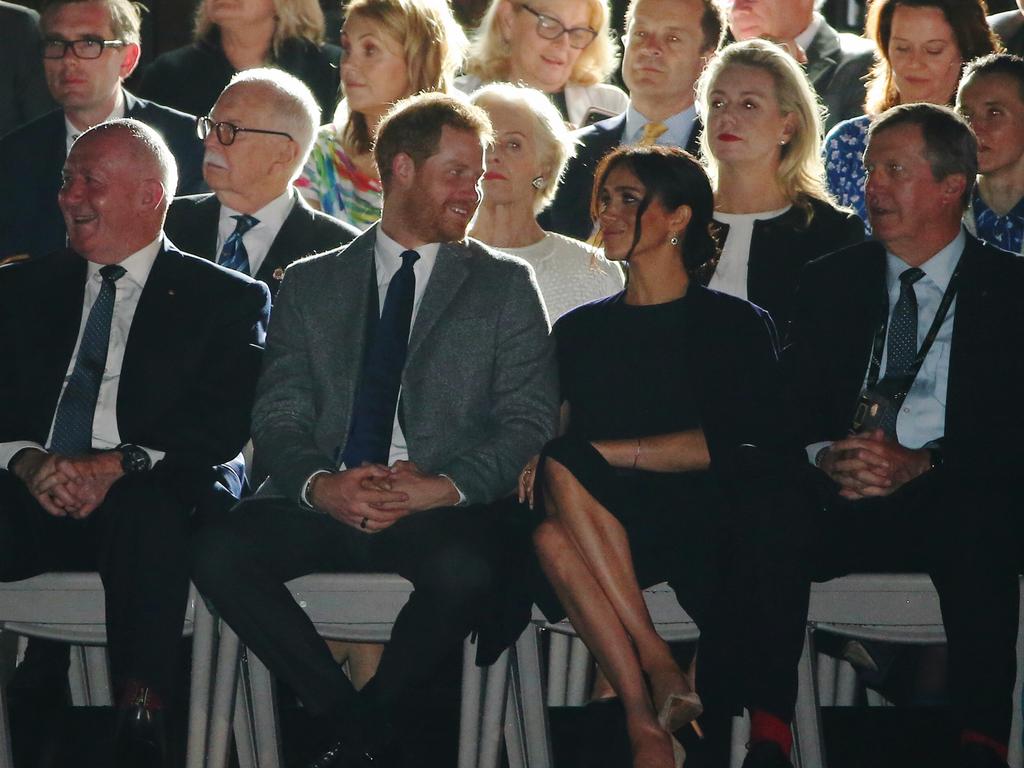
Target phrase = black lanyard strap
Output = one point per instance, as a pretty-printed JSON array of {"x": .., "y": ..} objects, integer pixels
[{"x": 883, "y": 328}]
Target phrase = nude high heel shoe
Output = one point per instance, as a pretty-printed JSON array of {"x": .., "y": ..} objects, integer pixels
[{"x": 679, "y": 709}]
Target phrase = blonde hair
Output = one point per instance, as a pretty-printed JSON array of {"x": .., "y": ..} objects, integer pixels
[
  {"x": 296, "y": 19},
  {"x": 433, "y": 46},
  {"x": 555, "y": 144},
  {"x": 490, "y": 53},
  {"x": 801, "y": 173}
]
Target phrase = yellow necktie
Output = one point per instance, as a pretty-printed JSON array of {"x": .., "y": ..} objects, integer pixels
[{"x": 651, "y": 133}]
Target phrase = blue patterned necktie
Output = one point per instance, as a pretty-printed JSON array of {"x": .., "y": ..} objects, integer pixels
[
  {"x": 901, "y": 347},
  {"x": 373, "y": 414},
  {"x": 233, "y": 255},
  {"x": 72, "y": 426}
]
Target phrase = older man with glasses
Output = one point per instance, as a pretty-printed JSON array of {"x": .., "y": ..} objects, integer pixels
[
  {"x": 88, "y": 49},
  {"x": 257, "y": 138}
]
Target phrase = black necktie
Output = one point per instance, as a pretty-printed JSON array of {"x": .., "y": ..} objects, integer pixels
[
  {"x": 901, "y": 348},
  {"x": 233, "y": 255},
  {"x": 373, "y": 414},
  {"x": 72, "y": 426}
]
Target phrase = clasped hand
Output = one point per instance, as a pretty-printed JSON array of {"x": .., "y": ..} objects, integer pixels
[
  {"x": 373, "y": 497},
  {"x": 872, "y": 464},
  {"x": 69, "y": 487}
]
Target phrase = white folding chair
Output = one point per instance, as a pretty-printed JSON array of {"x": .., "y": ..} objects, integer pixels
[
  {"x": 342, "y": 606},
  {"x": 69, "y": 607},
  {"x": 901, "y": 608}
]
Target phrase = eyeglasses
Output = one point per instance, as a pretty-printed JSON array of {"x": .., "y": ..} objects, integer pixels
[
  {"x": 551, "y": 29},
  {"x": 226, "y": 132},
  {"x": 87, "y": 48}
]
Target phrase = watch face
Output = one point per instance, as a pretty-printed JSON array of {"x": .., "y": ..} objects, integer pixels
[{"x": 135, "y": 459}]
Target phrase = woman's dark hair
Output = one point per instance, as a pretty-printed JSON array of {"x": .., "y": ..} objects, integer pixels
[{"x": 673, "y": 178}]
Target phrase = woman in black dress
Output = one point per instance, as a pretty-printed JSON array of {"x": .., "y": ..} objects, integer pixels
[{"x": 659, "y": 384}]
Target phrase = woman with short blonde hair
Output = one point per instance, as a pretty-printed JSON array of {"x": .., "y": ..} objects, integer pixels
[{"x": 564, "y": 48}]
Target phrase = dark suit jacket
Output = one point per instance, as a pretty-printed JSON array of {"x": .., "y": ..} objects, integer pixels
[
  {"x": 836, "y": 66},
  {"x": 190, "y": 364},
  {"x": 569, "y": 212},
  {"x": 839, "y": 306},
  {"x": 479, "y": 388},
  {"x": 192, "y": 226},
  {"x": 23, "y": 92},
  {"x": 31, "y": 159},
  {"x": 1010, "y": 28},
  {"x": 780, "y": 247}
]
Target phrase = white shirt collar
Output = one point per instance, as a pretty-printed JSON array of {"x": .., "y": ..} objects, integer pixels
[
  {"x": 939, "y": 268},
  {"x": 73, "y": 133},
  {"x": 271, "y": 216},
  {"x": 388, "y": 253},
  {"x": 137, "y": 266},
  {"x": 805, "y": 38}
]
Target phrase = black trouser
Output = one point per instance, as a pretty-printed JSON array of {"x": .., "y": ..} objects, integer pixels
[
  {"x": 242, "y": 563},
  {"x": 138, "y": 541},
  {"x": 963, "y": 529}
]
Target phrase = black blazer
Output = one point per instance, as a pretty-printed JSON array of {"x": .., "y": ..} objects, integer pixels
[
  {"x": 31, "y": 160},
  {"x": 780, "y": 247},
  {"x": 192, "y": 77},
  {"x": 837, "y": 63},
  {"x": 192, "y": 226},
  {"x": 838, "y": 308},
  {"x": 190, "y": 364},
  {"x": 569, "y": 212}
]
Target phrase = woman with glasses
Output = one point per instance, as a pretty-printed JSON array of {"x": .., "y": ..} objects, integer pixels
[
  {"x": 234, "y": 35},
  {"x": 391, "y": 49},
  {"x": 561, "y": 47}
]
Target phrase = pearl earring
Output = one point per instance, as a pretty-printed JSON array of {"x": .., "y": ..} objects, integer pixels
[
  {"x": 782, "y": 142},
  {"x": 538, "y": 182},
  {"x": 674, "y": 240}
]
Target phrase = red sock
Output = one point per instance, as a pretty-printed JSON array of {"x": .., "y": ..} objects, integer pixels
[
  {"x": 765, "y": 726},
  {"x": 976, "y": 737}
]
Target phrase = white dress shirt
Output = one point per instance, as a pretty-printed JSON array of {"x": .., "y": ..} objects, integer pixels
[
  {"x": 105, "y": 433},
  {"x": 73, "y": 133},
  {"x": 257, "y": 241}
]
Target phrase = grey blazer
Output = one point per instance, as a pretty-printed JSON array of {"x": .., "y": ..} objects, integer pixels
[
  {"x": 479, "y": 390},
  {"x": 836, "y": 66}
]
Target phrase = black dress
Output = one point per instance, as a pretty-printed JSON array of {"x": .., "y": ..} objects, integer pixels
[{"x": 631, "y": 371}]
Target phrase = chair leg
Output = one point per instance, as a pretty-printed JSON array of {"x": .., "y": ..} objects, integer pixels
[
  {"x": 558, "y": 663},
  {"x": 807, "y": 719},
  {"x": 97, "y": 671},
  {"x": 827, "y": 672},
  {"x": 78, "y": 678},
  {"x": 492, "y": 716},
  {"x": 199, "y": 686},
  {"x": 8, "y": 660},
  {"x": 530, "y": 689},
  {"x": 225, "y": 681},
  {"x": 846, "y": 685},
  {"x": 246, "y": 751},
  {"x": 738, "y": 739},
  {"x": 1016, "y": 747},
  {"x": 579, "y": 672},
  {"x": 263, "y": 701},
  {"x": 470, "y": 706}
]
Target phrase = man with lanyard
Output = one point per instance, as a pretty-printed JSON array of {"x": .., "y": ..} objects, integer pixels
[{"x": 906, "y": 370}]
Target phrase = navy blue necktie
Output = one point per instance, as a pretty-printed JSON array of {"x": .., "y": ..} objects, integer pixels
[
  {"x": 373, "y": 414},
  {"x": 233, "y": 255},
  {"x": 901, "y": 347},
  {"x": 72, "y": 426}
]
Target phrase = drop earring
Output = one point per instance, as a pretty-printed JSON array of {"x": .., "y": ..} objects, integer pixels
[{"x": 538, "y": 182}]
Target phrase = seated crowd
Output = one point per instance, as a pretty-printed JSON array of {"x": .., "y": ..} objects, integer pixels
[{"x": 536, "y": 339}]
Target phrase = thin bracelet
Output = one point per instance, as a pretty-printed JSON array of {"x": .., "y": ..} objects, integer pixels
[{"x": 636, "y": 455}]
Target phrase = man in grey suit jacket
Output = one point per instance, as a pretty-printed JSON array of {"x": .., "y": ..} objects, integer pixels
[
  {"x": 836, "y": 63},
  {"x": 471, "y": 399}
]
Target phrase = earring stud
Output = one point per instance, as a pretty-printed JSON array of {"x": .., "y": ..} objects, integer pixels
[{"x": 538, "y": 182}]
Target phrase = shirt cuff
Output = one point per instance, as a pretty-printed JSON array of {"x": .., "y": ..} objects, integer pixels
[
  {"x": 462, "y": 496},
  {"x": 9, "y": 450},
  {"x": 305, "y": 486},
  {"x": 815, "y": 448}
]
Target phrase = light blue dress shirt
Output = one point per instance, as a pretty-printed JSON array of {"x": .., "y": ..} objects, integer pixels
[
  {"x": 680, "y": 126},
  {"x": 922, "y": 417}
]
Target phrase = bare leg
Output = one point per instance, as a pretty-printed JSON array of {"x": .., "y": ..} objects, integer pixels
[
  {"x": 362, "y": 659},
  {"x": 597, "y": 623},
  {"x": 602, "y": 543}
]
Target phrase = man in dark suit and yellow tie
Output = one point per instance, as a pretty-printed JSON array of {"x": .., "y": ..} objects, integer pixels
[
  {"x": 256, "y": 138},
  {"x": 409, "y": 376},
  {"x": 128, "y": 377}
]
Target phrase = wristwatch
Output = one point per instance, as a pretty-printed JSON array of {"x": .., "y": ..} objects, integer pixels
[{"x": 133, "y": 459}]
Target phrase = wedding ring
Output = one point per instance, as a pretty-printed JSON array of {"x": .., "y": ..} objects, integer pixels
[{"x": 363, "y": 523}]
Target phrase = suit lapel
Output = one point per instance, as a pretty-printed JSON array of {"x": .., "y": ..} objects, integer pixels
[
  {"x": 207, "y": 224},
  {"x": 346, "y": 297},
  {"x": 867, "y": 307},
  {"x": 973, "y": 336},
  {"x": 288, "y": 242},
  {"x": 449, "y": 273}
]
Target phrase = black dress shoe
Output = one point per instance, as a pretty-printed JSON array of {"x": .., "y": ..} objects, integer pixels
[
  {"x": 344, "y": 753},
  {"x": 974, "y": 755},
  {"x": 766, "y": 754},
  {"x": 140, "y": 737}
]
